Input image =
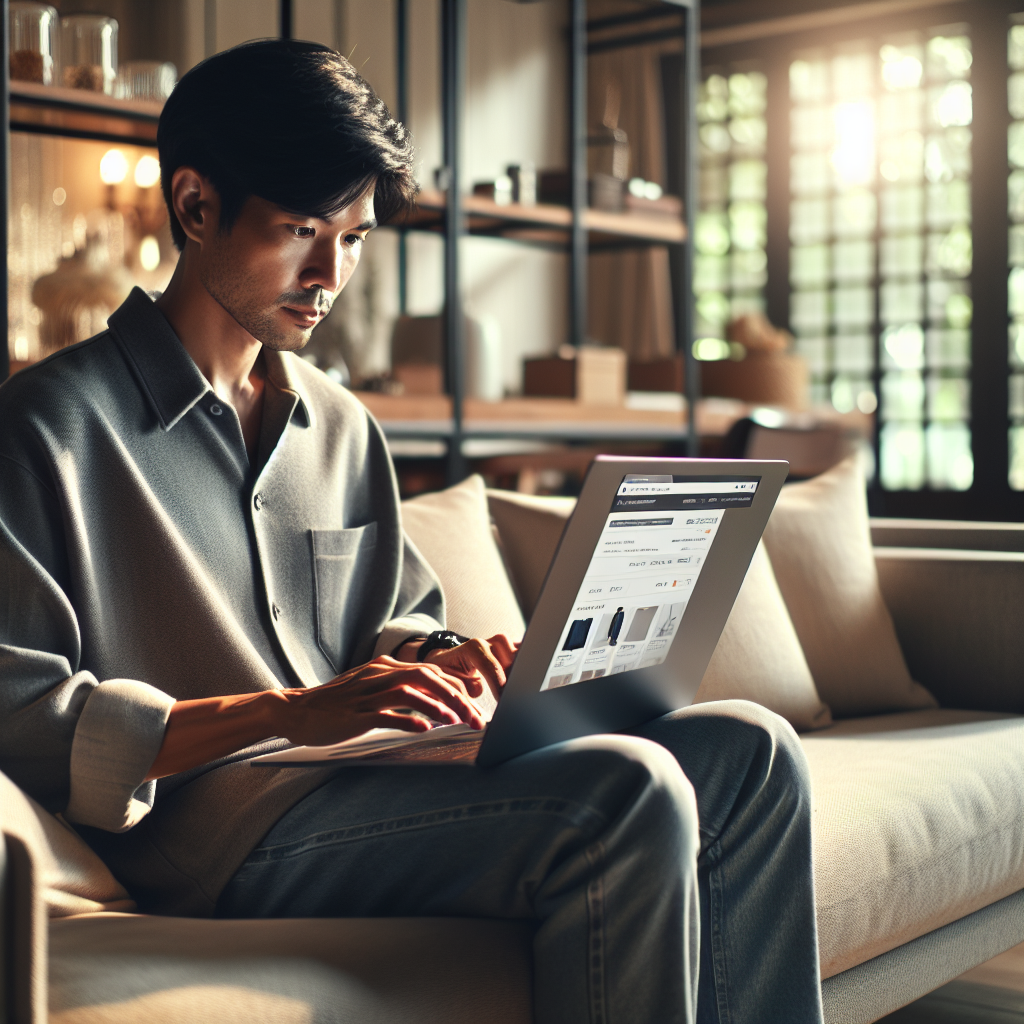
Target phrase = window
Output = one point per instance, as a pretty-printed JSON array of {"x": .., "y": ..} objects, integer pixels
[
  {"x": 730, "y": 265},
  {"x": 881, "y": 244}
]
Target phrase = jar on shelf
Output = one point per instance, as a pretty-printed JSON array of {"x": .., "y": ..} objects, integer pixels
[
  {"x": 89, "y": 52},
  {"x": 145, "y": 80},
  {"x": 33, "y": 41}
]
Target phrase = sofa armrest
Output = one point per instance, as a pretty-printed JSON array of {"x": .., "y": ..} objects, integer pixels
[
  {"x": 947, "y": 533},
  {"x": 959, "y": 617},
  {"x": 24, "y": 928}
]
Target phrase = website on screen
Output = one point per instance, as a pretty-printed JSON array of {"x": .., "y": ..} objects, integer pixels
[{"x": 651, "y": 552}]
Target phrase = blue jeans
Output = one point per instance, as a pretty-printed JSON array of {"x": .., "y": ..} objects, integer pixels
[{"x": 668, "y": 870}]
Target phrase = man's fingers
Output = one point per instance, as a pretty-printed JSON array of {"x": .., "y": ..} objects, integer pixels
[
  {"x": 430, "y": 680},
  {"x": 411, "y": 698},
  {"x": 396, "y": 720},
  {"x": 504, "y": 649},
  {"x": 487, "y": 664}
]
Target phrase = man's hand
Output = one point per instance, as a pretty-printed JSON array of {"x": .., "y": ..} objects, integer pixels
[
  {"x": 477, "y": 662},
  {"x": 383, "y": 693}
]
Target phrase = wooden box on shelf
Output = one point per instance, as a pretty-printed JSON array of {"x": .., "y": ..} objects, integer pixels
[
  {"x": 764, "y": 378},
  {"x": 591, "y": 374},
  {"x": 657, "y": 374}
]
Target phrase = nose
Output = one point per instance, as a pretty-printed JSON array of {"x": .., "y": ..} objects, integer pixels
[{"x": 326, "y": 269}]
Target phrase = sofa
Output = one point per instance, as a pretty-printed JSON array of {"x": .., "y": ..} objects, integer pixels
[{"x": 918, "y": 789}]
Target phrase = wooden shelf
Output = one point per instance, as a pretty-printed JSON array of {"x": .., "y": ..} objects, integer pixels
[
  {"x": 82, "y": 114},
  {"x": 561, "y": 418},
  {"x": 545, "y": 224}
]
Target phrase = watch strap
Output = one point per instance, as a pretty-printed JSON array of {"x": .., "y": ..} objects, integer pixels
[{"x": 440, "y": 639}]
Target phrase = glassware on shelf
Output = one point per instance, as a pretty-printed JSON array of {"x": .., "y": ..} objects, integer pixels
[
  {"x": 89, "y": 52},
  {"x": 145, "y": 80},
  {"x": 33, "y": 41}
]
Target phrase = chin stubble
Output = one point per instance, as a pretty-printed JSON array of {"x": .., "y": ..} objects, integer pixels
[{"x": 233, "y": 292}]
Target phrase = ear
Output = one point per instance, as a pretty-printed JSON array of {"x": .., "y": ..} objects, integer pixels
[{"x": 196, "y": 203}]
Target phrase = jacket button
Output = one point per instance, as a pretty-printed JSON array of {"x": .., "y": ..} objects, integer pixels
[
  {"x": 275, "y": 611},
  {"x": 258, "y": 501}
]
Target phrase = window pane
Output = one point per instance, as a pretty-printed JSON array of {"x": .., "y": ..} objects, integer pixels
[
  {"x": 730, "y": 265},
  {"x": 902, "y": 457},
  {"x": 882, "y": 248}
]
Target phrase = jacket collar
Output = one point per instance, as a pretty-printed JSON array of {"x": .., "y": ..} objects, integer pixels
[{"x": 168, "y": 376}]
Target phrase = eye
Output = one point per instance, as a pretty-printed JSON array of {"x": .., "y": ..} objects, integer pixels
[
  {"x": 353, "y": 239},
  {"x": 303, "y": 231}
]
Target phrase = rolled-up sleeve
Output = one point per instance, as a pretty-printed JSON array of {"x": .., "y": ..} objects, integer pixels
[
  {"x": 75, "y": 743},
  {"x": 117, "y": 738}
]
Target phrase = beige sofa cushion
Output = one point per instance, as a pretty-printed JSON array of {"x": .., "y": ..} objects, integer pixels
[
  {"x": 116, "y": 969},
  {"x": 530, "y": 529},
  {"x": 759, "y": 658},
  {"x": 918, "y": 821},
  {"x": 71, "y": 878},
  {"x": 452, "y": 530},
  {"x": 820, "y": 546}
]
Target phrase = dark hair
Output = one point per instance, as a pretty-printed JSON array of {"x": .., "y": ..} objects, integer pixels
[{"x": 291, "y": 122}]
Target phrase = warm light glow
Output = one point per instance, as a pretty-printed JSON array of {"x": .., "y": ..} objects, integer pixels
[
  {"x": 149, "y": 253},
  {"x": 21, "y": 349},
  {"x": 905, "y": 346},
  {"x": 954, "y": 107},
  {"x": 147, "y": 171},
  {"x": 854, "y": 155},
  {"x": 867, "y": 402},
  {"x": 899, "y": 70},
  {"x": 113, "y": 167},
  {"x": 710, "y": 349},
  {"x": 59, "y": 196}
]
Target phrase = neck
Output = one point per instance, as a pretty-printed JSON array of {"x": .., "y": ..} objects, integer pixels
[{"x": 227, "y": 355}]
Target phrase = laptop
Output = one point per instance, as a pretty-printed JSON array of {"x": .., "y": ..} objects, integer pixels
[{"x": 634, "y": 603}]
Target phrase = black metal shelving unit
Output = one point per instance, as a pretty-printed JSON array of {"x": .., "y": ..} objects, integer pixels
[
  {"x": 624, "y": 30},
  {"x": 71, "y": 114}
]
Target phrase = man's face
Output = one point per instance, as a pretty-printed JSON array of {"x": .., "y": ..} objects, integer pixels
[{"x": 277, "y": 272}]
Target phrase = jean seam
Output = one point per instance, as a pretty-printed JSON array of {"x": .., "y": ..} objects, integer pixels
[
  {"x": 716, "y": 914},
  {"x": 596, "y": 938},
  {"x": 574, "y": 813}
]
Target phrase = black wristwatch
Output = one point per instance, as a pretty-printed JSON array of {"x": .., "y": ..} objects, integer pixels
[{"x": 439, "y": 640}]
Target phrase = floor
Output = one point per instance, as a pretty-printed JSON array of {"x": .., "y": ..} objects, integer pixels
[{"x": 992, "y": 993}]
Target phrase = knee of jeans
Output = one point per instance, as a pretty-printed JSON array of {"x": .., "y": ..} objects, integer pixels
[
  {"x": 643, "y": 781},
  {"x": 773, "y": 743}
]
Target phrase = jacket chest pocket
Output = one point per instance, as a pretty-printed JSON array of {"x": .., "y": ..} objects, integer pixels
[{"x": 342, "y": 572}]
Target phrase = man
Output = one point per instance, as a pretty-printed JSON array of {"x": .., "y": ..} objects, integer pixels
[{"x": 201, "y": 549}]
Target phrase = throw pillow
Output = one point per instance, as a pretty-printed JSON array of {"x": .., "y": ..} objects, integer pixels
[
  {"x": 820, "y": 546},
  {"x": 759, "y": 658},
  {"x": 530, "y": 528},
  {"x": 452, "y": 530}
]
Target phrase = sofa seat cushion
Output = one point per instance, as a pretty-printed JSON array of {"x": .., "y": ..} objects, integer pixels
[
  {"x": 121, "y": 969},
  {"x": 918, "y": 821}
]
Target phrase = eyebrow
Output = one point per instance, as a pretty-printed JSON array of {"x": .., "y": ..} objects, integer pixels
[{"x": 367, "y": 225}]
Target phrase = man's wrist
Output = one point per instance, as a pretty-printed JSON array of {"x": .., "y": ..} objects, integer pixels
[{"x": 408, "y": 649}]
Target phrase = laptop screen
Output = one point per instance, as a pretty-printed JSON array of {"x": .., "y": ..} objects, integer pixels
[{"x": 652, "y": 549}]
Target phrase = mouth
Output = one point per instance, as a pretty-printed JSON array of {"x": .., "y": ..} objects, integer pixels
[{"x": 305, "y": 317}]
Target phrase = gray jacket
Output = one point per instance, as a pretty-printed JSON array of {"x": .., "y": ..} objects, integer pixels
[{"x": 143, "y": 561}]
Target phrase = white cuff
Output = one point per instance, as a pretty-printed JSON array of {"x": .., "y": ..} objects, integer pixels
[
  {"x": 118, "y": 736},
  {"x": 397, "y": 631}
]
